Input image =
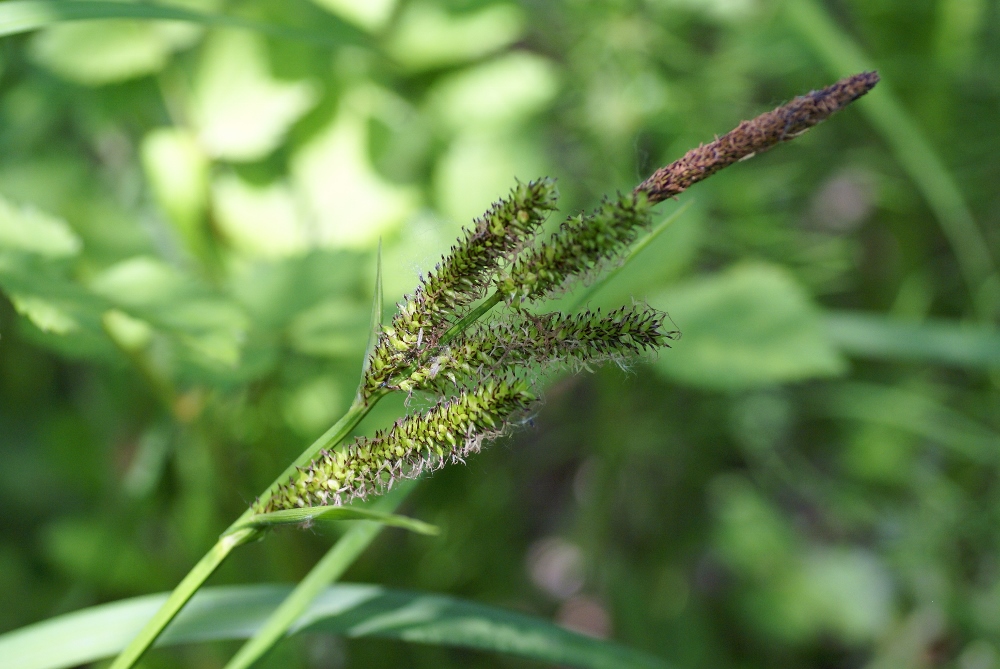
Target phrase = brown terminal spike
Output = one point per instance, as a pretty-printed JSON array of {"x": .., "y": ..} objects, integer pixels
[{"x": 760, "y": 134}]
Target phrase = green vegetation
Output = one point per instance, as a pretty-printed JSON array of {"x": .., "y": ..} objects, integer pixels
[{"x": 195, "y": 214}]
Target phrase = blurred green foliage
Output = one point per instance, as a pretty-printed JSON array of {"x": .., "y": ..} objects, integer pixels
[{"x": 188, "y": 227}]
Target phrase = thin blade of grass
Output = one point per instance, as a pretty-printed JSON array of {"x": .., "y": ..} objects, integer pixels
[
  {"x": 917, "y": 414},
  {"x": 914, "y": 153},
  {"x": 20, "y": 16},
  {"x": 315, "y": 514},
  {"x": 948, "y": 343},
  {"x": 375, "y": 324},
  {"x": 333, "y": 565}
]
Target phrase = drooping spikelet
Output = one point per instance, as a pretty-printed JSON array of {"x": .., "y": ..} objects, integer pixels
[
  {"x": 506, "y": 346},
  {"x": 449, "y": 431},
  {"x": 460, "y": 278}
]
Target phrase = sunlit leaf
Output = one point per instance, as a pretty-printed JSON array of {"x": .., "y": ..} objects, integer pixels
[
  {"x": 259, "y": 221},
  {"x": 97, "y": 53},
  {"x": 502, "y": 91},
  {"x": 28, "y": 230},
  {"x": 371, "y": 15},
  {"x": 242, "y": 112},
  {"x": 427, "y": 36},
  {"x": 19, "y": 16},
  {"x": 351, "y": 204},
  {"x": 177, "y": 170}
]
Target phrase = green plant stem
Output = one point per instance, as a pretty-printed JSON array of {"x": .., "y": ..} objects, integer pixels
[
  {"x": 471, "y": 317},
  {"x": 333, "y": 565},
  {"x": 180, "y": 596},
  {"x": 344, "y": 552},
  {"x": 230, "y": 539},
  {"x": 234, "y": 537}
]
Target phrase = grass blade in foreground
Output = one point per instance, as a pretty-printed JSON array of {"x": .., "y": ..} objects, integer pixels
[
  {"x": 180, "y": 596},
  {"x": 333, "y": 565},
  {"x": 917, "y": 413},
  {"x": 349, "y": 610}
]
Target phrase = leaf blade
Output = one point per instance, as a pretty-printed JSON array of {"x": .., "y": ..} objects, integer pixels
[
  {"x": 353, "y": 610},
  {"x": 331, "y": 567},
  {"x": 331, "y": 513}
]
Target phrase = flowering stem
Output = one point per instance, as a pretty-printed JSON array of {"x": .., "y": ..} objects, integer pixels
[
  {"x": 327, "y": 570},
  {"x": 218, "y": 553},
  {"x": 179, "y": 597},
  {"x": 228, "y": 541},
  {"x": 471, "y": 317}
]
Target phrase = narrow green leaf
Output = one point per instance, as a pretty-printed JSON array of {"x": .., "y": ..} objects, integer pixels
[
  {"x": 19, "y": 16},
  {"x": 375, "y": 326},
  {"x": 914, "y": 153},
  {"x": 918, "y": 414},
  {"x": 638, "y": 248},
  {"x": 181, "y": 595},
  {"x": 333, "y": 565},
  {"x": 349, "y": 610},
  {"x": 313, "y": 514},
  {"x": 883, "y": 337}
]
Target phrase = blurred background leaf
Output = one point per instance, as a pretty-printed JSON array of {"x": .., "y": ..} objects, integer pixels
[{"x": 188, "y": 230}]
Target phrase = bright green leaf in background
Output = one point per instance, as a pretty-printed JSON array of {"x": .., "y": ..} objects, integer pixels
[
  {"x": 240, "y": 111},
  {"x": 25, "y": 229},
  {"x": 748, "y": 326},
  {"x": 370, "y": 15},
  {"x": 428, "y": 36},
  {"x": 191, "y": 218},
  {"x": 348, "y": 204},
  {"x": 497, "y": 93},
  {"x": 260, "y": 220},
  {"x": 106, "y": 52},
  {"x": 178, "y": 171},
  {"x": 210, "y": 326}
]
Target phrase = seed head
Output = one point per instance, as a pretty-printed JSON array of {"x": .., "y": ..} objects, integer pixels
[
  {"x": 508, "y": 345},
  {"x": 459, "y": 279},
  {"x": 581, "y": 247},
  {"x": 449, "y": 431},
  {"x": 760, "y": 134}
]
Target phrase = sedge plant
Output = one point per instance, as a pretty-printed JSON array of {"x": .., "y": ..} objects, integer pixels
[{"x": 481, "y": 368}]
